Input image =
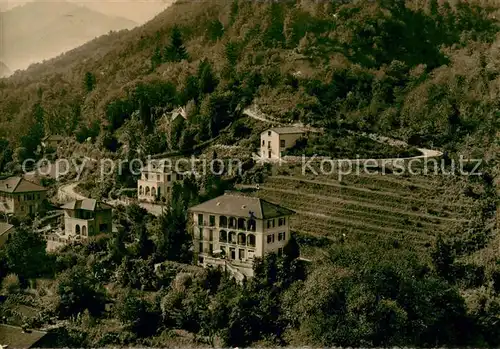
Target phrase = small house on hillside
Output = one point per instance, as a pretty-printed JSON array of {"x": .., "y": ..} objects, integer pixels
[
  {"x": 157, "y": 181},
  {"x": 21, "y": 197},
  {"x": 89, "y": 217},
  {"x": 275, "y": 140},
  {"x": 52, "y": 141}
]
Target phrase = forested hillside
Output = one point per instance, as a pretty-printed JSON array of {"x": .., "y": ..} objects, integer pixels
[
  {"x": 420, "y": 265},
  {"x": 425, "y": 72}
]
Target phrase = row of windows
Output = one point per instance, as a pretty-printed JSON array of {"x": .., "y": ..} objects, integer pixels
[
  {"x": 231, "y": 222},
  {"x": 239, "y": 223},
  {"x": 151, "y": 191},
  {"x": 282, "y": 143},
  {"x": 25, "y": 197},
  {"x": 178, "y": 177},
  {"x": 271, "y": 222},
  {"x": 281, "y": 237}
]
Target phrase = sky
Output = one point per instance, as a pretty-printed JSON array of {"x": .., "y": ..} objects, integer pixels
[{"x": 139, "y": 11}]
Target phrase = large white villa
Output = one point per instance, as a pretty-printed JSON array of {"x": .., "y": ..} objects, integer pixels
[{"x": 234, "y": 229}]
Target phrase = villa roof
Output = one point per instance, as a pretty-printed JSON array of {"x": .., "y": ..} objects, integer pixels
[
  {"x": 232, "y": 204},
  {"x": 5, "y": 227},
  {"x": 86, "y": 205},
  {"x": 14, "y": 337},
  {"x": 287, "y": 130},
  {"x": 19, "y": 185}
]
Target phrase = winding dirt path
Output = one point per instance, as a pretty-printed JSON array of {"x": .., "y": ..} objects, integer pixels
[{"x": 254, "y": 113}]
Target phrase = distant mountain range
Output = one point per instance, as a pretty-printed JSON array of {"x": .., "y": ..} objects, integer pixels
[{"x": 42, "y": 30}]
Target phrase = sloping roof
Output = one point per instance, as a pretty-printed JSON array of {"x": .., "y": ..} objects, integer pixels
[
  {"x": 19, "y": 185},
  {"x": 287, "y": 130},
  {"x": 15, "y": 338},
  {"x": 232, "y": 204},
  {"x": 86, "y": 205},
  {"x": 5, "y": 227},
  {"x": 53, "y": 138},
  {"x": 179, "y": 112}
]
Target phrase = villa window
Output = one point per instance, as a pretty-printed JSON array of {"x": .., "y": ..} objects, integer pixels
[
  {"x": 270, "y": 239},
  {"x": 241, "y": 223},
  {"x": 281, "y": 221},
  {"x": 263, "y": 142},
  {"x": 251, "y": 240},
  {"x": 200, "y": 219},
  {"x": 281, "y": 236},
  {"x": 251, "y": 225},
  {"x": 210, "y": 235},
  {"x": 268, "y": 133},
  {"x": 222, "y": 236},
  {"x": 169, "y": 177},
  {"x": 200, "y": 247},
  {"x": 201, "y": 233},
  {"x": 282, "y": 143},
  {"x": 223, "y": 221},
  {"x": 212, "y": 221}
]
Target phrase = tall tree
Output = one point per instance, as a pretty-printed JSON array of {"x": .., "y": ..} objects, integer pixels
[
  {"x": 89, "y": 81},
  {"x": 206, "y": 77},
  {"x": 25, "y": 254},
  {"x": 31, "y": 140},
  {"x": 156, "y": 59},
  {"x": 173, "y": 240},
  {"x": 78, "y": 290},
  {"x": 176, "y": 51}
]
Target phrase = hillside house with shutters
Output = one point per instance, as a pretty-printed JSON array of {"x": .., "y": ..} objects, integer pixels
[
  {"x": 20, "y": 197},
  {"x": 274, "y": 141},
  {"x": 52, "y": 142},
  {"x": 85, "y": 218},
  {"x": 235, "y": 229}
]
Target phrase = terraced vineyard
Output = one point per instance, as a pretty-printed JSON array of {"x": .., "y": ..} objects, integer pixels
[{"x": 388, "y": 209}]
